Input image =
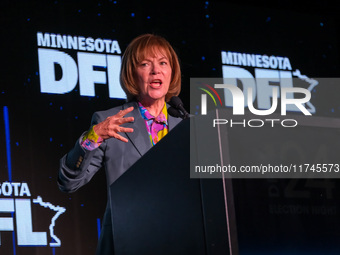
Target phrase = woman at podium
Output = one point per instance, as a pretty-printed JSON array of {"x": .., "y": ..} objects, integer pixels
[{"x": 150, "y": 75}]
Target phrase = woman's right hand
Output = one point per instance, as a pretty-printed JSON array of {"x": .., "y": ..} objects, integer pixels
[{"x": 111, "y": 126}]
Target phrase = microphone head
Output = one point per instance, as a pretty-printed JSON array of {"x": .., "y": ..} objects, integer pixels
[
  {"x": 175, "y": 101},
  {"x": 174, "y": 112}
]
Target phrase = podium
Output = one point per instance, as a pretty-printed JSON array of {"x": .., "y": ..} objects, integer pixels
[{"x": 158, "y": 209}]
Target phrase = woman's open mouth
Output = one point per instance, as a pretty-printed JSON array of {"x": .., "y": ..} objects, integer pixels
[{"x": 156, "y": 83}]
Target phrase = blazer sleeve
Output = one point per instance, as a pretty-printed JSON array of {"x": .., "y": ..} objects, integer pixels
[{"x": 79, "y": 165}]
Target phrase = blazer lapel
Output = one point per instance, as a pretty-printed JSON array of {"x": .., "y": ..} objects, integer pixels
[
  {"x": 139, "y": 137},
  {"x": 172, "y": 121}
]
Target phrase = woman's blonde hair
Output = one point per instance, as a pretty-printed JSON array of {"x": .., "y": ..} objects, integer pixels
[{"x": 136, "y": 52}]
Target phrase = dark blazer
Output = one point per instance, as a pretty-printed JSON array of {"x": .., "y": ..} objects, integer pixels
[{"x": 78, "y": 166}]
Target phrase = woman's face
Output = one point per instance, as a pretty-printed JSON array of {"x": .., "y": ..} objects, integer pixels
[{"x": 153, "y": 76}]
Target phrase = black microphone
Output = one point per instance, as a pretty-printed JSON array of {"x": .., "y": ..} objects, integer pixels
[
  {"x": 174, "y": 112},
  {"x": 177, "y": 103}
]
